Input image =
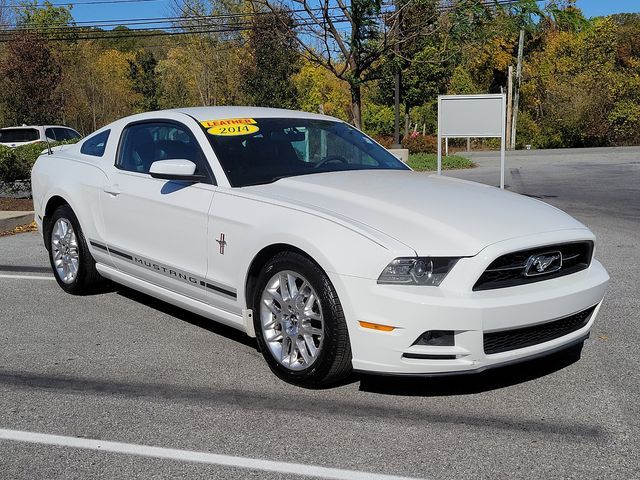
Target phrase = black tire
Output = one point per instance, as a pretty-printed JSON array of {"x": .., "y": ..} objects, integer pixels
[
  {"x": 87, "y": 279},
  {"x": 333, "y": 362}
]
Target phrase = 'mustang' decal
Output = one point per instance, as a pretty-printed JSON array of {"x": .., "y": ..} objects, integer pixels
[{"x": 171, "y": 272}]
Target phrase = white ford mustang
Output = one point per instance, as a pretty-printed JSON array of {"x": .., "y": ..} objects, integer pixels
[{"x": 301, "y": 231}]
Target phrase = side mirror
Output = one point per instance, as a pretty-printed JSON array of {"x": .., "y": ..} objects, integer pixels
[{"x": 175, "y": 170}]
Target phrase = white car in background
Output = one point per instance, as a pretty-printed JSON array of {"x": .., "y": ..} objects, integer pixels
[
  {"x": 26, "y": 134},
  {"x": 300, "y": 230}
]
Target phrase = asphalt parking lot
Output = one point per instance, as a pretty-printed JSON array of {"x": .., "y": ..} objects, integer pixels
[{"x": 123, "y": 367}]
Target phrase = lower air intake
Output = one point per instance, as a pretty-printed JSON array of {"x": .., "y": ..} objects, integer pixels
[{"x": 497, "y": 342}]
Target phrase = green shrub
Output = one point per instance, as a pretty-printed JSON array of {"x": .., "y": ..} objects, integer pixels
[
  {"x": 429, "y": 162},
  {"x": 624, "y": 119},
  {"x": 528, "y": 132},
  {"x": 16, "y": 163},
  {"x": 426, "y": 114}
]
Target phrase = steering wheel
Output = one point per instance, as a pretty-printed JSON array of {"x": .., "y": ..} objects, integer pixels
[{"x": 331, "y": 158}]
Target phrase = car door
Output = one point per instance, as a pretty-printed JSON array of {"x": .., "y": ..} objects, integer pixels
[{"x": 155, "y": 229}]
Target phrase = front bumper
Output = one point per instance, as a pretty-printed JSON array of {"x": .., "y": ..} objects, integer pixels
[{"x": 415, "y": 310}]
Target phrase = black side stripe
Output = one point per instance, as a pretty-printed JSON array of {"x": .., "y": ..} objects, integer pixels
[
  {"x": 120, "y": 254},
  {"x": 222, "y": 290},
  {"x": 98, "y": 245},
  {"x": 159, "y": 268},
  {"x": 111, "y": 250}
]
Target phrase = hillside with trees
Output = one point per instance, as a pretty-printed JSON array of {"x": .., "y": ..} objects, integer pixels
[{"x": 580, "y": 83}]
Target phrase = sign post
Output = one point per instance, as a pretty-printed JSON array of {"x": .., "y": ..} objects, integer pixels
[{"x": 473, "y": 116}]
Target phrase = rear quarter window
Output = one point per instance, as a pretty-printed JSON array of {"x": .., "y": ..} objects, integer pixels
[
  {"x": 95, "y": 145},
  {"x": 19, "y": 135}
]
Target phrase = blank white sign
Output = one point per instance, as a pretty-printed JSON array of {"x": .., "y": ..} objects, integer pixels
[{"x": 471, "y": 115}]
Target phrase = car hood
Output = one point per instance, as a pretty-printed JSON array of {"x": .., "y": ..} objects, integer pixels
[{"x": 434, "y": 215}]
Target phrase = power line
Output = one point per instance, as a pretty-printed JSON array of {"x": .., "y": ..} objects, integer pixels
[
  {"x": 73, "y": 4},
  {"x": 143, "y": 32},
  {"x": 193, "y": 24},
  {"x": 188, "y": 27},
  {"x": 155, "y": 20}
]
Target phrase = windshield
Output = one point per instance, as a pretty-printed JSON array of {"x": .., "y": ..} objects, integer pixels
[
  {"x": 263, "y": 150},
  {"x": 19, "y": 135}
]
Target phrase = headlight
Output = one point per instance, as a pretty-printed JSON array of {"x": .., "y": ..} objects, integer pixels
[{"x": 417, "y": 271}]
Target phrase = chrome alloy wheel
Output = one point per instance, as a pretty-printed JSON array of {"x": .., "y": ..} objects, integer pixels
[
  {"x": 291, "y": 320},
  {"x": 64, "y": 249}
]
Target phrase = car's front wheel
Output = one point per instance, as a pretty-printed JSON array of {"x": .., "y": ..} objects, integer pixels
[
  {"x": 299, "y": 322},
  {"x": 72, "y": 263}
]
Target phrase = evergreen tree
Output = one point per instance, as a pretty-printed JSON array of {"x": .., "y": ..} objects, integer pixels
[{"x": 144, "y": 78}]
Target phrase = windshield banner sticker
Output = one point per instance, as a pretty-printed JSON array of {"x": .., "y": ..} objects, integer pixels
[{"x": 230, "y": 126}]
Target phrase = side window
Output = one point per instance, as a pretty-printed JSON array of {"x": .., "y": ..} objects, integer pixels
[
  {"x": 65, "y": 134},
  {"x": 50, "y": 134},
  {"x": 144, "y": 143},
  {"x": 95, "y": 145}
]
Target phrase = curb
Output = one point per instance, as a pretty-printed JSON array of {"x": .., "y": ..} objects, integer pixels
[{"x": 11, "y": 220}]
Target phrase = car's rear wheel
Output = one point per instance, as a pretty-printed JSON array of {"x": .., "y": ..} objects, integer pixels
[
  {"x": 299, "y": 322},
  {"x": 73, "y": 266}
]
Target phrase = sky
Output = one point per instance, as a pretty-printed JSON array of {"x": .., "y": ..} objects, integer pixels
[
  {"x": 596, "y": 8},
  {"x": 163, "y": 8}
]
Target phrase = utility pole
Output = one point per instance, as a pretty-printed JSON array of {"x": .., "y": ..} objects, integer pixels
[
  {"x": 396, "y": 110},
  {"x": 509, "y": 105},
  {"x": 396, "y": 93},
  {"x": 516, "y": 100}
]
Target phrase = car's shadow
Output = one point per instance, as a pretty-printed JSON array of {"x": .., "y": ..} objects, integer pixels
[
  {"x": 192, "y": 318},
  {"x": 387, "y": 385},
  {"x": 492, "y": 379}
]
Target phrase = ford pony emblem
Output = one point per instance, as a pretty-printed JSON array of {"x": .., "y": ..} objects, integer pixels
[{"x": 543, "y": 263}]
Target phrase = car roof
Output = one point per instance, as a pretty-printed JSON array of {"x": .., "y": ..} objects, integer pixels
[
  {"x": 36, "y": 126},
  {"x": 218, "y": 113}
]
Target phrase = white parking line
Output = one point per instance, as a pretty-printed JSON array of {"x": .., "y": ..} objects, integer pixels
[
  {"x": 25, "y": 277},
  {"x": 197, "y": 457}
]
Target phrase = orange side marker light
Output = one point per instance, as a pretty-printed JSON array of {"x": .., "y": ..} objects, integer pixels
[{"x": 377, "y": 326}]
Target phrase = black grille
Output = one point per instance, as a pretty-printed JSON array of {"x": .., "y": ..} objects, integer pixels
[
  {"x": 504, "y": 341},
  {"x": 509, "y": 270}
]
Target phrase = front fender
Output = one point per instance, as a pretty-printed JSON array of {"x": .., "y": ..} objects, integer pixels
[{"x": 250, "y": 225}]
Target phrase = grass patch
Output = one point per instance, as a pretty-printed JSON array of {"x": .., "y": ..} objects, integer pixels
[{"x": 421, "y": 162}]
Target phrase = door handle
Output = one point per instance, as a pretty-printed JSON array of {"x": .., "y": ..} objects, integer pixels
[{"x": 112, "y": 190}]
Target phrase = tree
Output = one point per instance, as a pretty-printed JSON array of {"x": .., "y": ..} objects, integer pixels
[
  {"x": 268, "y": 70},
  {"x": 178, "y": 81},
  {"x": 122, "y": 39},
  {"x": 423, "y": 64},
  {"x": 214, "y": 50},
  {"x": 320, "y": 91},
  {"x": 30, "y": 78},
  {"x": 47, "y": 20},
  {"x": 348, "y": 53},
  {"x": 144, "y": 78},
  {"x": 573, "y": 84},
  {"x": 33, "y": 14}
]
